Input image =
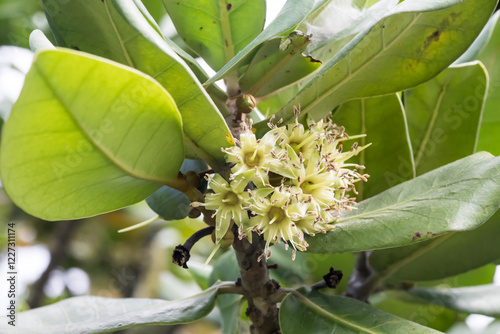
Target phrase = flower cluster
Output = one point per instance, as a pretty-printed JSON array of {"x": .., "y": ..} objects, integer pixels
[{"x": 289, "y": 183}]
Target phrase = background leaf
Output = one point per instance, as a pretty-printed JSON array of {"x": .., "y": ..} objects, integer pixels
[
  {"x": 217, "y": 30},
  {"x": 489, "y": 135},
  {"x": 483, "y": 299},
  {"x": 444, "y": 115},
  {"x": 292, "y": 13},
  {"x": 275, "y": 65},
  {"x": 389, "y": 159},
  {"x": 425, "y": 314},
  {"x": 349, "y": 21},
  {"x": 69, "y": 151},
  {"x": 118, "y": 30},
  {"x": 409, "y": 47},
  {"x": 451, "y": 254},
  {"x": 319, "y": 313},
  {"x": 91, "y": 314},
  {"x": 171, "y": 204},
  {"x": 481, "y": 41},
  {"x": 459, "y": 196}
]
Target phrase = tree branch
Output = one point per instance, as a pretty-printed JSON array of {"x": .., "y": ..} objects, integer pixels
[{"x": 258, "y": 288}]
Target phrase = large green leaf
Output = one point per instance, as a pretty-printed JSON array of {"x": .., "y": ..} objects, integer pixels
[
  {"x": 118, "y": 30},
  {"x": 389, "y": 159},
  {"x": 489, "y": 135},
  {"x": 217, "y": 29},
  {"x": 393, "y": 302},
  {"x": 292, "y": 13},
  {"x": 446, "y": 112},
  {"x": 345, "y": 28},
  {"x": 88, "y": 136},
  {"x": 480, "y": 276},
  {"x": 91, "y": 314},
  {"x": 456, "y": 197},
  {"x": 278, "y": 64},
  {"x": 412, "y": 45},
  {"x": 441, "y": 257},
  {"x": 484, "y": 299},
  {"x": 315, "y": 312},
  {"x": 481, "y": 41}
]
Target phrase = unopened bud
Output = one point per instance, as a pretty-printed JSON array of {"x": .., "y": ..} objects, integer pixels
[{"x": 245, "y": 103}]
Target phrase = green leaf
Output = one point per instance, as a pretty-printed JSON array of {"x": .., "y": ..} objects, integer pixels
[
  {"x": 392, "y": 302},
  {"x": 480, "y": 276},
  {"x": 449, "y": 255},
  {"x": 409, "y": 47},
  {"x": 383, "y": 120},
  {"x": 292, "y": 13},
  {"x": 326, "y": 45},
  {"x": 315, "y": 312},
  {"x": 278, "y": 64},
  {"x": 91, "y": 314},
  {"x": 171, "y": 204},
  {"x": 456, "y": 197},
  {"x": 489, "y": 135},
  {"x": 217, "y": 29},
  {"x": 484, "y": 299},
  {"x": 118, "y": 30},
  {"x": 446, "y": 112},
  {"x": 88, "y": 136},
  {"x": 481, "y": 41}
]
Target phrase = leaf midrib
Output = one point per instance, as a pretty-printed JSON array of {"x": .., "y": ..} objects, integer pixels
[
  {"x": 430, "y": 126},
  {"x": 385, "y": 208},
  {"x": 118, "y": 36},
  {"x": 368, "y": 62},
  {"x": 330, "y": 316}
]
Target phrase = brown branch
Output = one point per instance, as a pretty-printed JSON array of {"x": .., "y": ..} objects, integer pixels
[
  {"x": 361, "y": 283},
  {"x": 258, "y": 288}
]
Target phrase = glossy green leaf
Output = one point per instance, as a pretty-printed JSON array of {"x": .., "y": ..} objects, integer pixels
[
  {"x": 91, "y": 314},
  {"x": 389, "y": 159},
  {"x": 445, "y": 113},
  {"x": 227, "y": 269},
  {"x": 171, "y": 204},
  {"x": 345, "y": 28},
  {"x": 484, "y": 299},
  {"x": 315, "y": 312},
  {"x": 278, "y": 64},
  {"x": 88, "y": 136},
  {"x": 217, "y": 29},
  {"x": 409, "y": 47},
  {"x": 392, "y": 302},
  {"x": 118, "y": 30},
  {"x": 480, "y": 276},
  {"x": 489, "y": 135},
  {"x": 449, "y": 255},
  {"x": 292, "y": 13},
  {"x": 456, "y": 197},
  {"x": 481, "y": 41}
]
